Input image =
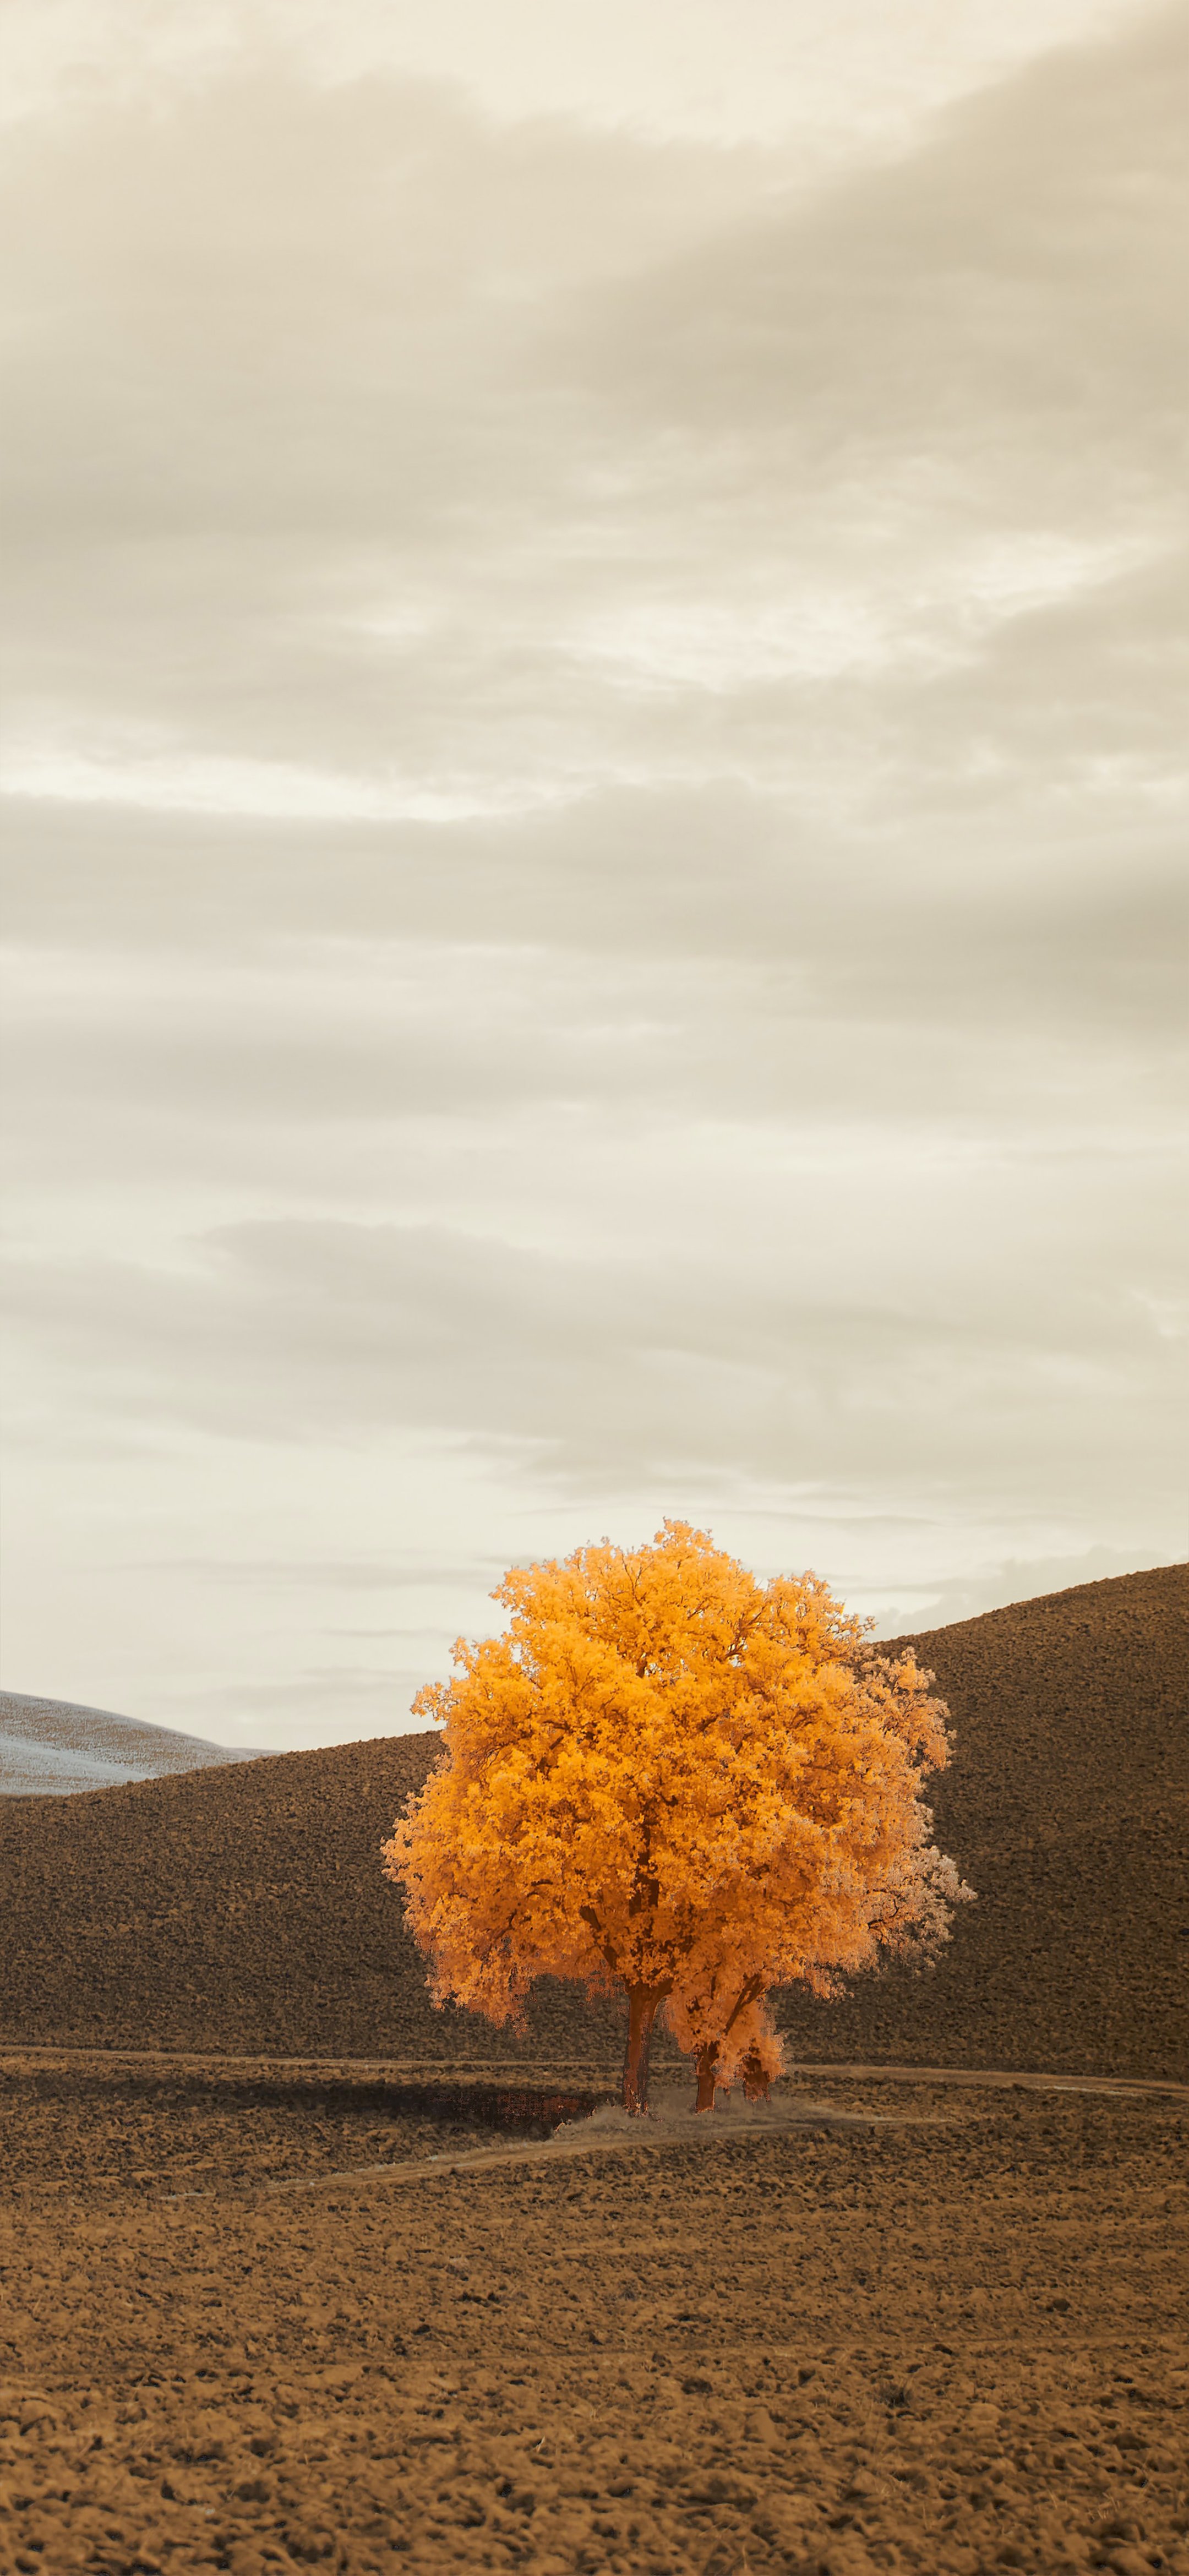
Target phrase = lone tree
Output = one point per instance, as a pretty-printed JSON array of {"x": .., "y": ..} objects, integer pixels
[{"x": 668, "y": 1777}]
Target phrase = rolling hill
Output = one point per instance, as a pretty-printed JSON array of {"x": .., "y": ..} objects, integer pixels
[
  {"x": 57, "y": 1748},
  {"x": 240, "y": 1908}
]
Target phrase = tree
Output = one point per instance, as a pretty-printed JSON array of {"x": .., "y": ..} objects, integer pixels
[
  {"x": 743, "y": 2044},
  {"x": 668, "y": 1777}
]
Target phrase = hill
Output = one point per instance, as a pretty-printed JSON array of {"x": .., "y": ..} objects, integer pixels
[
  {"x": 242, "y": 1908},
  {"x": 57, "y": 1748},
  {"x": 1067, "y": 1807}
]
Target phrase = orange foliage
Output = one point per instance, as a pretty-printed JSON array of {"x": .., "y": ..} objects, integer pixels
[{"x": 669, "y": 1777}]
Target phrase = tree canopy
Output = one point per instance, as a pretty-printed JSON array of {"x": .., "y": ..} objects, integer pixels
[{"x": 668, "y": 1777}]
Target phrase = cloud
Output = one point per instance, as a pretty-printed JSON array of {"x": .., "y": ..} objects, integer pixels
[
  {"x": 627, "y": 1371},
  {"x": 822, "y": 89},
  {"x": 468, "y": 457}
]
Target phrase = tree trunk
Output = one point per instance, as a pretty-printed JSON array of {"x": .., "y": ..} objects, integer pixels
[
  {"x": 642, "y": 2012},
  {"x": 706, "y": 2061},
  {"x": 755, "y": 2079}
]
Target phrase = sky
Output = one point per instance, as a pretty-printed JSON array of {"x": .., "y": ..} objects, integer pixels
[{"x": 593, "y": 805}]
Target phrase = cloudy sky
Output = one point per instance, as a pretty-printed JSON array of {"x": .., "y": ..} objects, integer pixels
[{"x": 593, "y": 798}]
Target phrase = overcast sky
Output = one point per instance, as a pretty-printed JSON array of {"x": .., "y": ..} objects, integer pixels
[{"x": 593, "y": 803}]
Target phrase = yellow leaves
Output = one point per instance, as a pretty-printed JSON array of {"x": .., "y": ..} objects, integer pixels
[{"x": 665, "y": 1765}]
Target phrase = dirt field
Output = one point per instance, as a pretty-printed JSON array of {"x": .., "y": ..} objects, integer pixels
[
  {"x": 363, "y": 2312},
  {"x": 915, "y": 2325}
]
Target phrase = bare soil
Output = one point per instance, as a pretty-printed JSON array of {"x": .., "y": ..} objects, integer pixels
[{"x": 931, "y": 2326}]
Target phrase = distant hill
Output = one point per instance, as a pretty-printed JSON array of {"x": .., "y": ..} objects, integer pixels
[
  {"x": 55, "y": 1748},
  {"x": 242, "y": 1908}
]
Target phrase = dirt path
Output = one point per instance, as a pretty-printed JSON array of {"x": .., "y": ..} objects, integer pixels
[
  {"x": 618, "y": 2135},
  {"x": 480, "y": 2070}
]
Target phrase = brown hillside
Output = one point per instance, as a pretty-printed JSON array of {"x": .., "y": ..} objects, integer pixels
[
  {"x": 242, "y": 1909},
  {"x": 1067, "y": 1808}
]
